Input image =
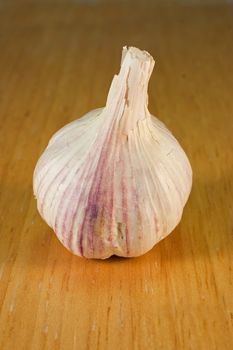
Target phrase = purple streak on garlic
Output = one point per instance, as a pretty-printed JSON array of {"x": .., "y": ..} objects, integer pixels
[{"x": 116, "y": 180}]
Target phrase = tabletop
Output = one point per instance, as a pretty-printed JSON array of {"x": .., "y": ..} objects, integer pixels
[{"x": 56, "y": 63}]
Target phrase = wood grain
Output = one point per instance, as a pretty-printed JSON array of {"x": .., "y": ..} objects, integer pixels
[{"x": 56, "y": 63}]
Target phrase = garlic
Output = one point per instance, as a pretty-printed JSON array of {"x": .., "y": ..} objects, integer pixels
[{"x": 116, "y": 180}]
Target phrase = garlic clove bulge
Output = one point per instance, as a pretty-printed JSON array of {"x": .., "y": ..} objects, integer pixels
[{"x": 115, "y": 181}]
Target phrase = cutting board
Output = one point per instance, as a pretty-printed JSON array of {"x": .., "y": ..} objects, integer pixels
[{"x": 56, "y": 63}]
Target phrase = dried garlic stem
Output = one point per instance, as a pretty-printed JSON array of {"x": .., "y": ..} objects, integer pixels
[{"x": 127, "y": 98}]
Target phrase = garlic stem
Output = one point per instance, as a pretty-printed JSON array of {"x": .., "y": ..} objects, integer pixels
[{"x": 127, "y": 98}]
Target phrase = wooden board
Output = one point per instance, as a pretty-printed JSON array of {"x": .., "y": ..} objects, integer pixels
[{"x": 56, "y": 63}]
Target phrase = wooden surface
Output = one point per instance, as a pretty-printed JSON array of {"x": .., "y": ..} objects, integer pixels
[{"x": 56, "y": 63}]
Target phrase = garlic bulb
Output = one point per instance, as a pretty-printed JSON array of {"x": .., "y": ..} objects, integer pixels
[{"x": 115, "y": 181}]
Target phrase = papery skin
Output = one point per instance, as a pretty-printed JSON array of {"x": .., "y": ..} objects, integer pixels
[{"x": 115, "y": 181}]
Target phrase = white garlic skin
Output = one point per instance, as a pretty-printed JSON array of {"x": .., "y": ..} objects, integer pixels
[{"x": 111, "y": 183}]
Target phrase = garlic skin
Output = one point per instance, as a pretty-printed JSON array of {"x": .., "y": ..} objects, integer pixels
[{"x": 115, "y": 181}]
